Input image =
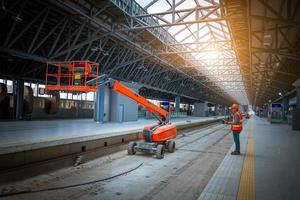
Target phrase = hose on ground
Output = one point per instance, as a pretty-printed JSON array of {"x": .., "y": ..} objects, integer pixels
[{"x": 70, "y": 186}]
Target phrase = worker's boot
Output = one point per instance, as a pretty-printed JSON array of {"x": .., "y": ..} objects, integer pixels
[{"x": 235, "y": 153}]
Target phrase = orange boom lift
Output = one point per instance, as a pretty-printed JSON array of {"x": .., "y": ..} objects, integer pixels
[
  {"x": 78, "y": 76},
  {"x": 156, "y": 138}
]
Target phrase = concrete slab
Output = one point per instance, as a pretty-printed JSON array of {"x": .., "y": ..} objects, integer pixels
[
  {"x": 277, "y": 163},
  {"x": 225, "y": 181}
]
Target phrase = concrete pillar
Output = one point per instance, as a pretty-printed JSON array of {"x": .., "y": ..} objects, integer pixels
[
  {"x": 18, "y": 98},
  {"x": 99, "y": 104},
  {"x": 95, "y": 106},
  {"x": 188, "y": 110},
  {"x": 123, "y": 109},
  {"x": 113, "y": 106},
  {"x": 298, "y": 97},
  {"x": 296, "y": 112},
  {"x": 222, "y": 110},
  {"x": 200, "y": 109},
  {"x": 297, "y": 85},
  {"x": 216, "y": 109},
  {"x": 102, "y": 104},
  {"x": 177, "y": 103},
  {"x": 285, "y": 102}
]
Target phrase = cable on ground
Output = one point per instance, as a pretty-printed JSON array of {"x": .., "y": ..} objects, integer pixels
[{"x": 69, "y": 186}]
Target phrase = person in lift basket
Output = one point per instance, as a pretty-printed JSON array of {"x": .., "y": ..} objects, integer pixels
[{"x": 236, "y": 127}]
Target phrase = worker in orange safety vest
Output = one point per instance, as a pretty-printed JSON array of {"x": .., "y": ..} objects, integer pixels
[{"x": 236, "y": 127}]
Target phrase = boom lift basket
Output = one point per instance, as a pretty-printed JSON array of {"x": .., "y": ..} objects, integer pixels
[{"x": 74, "y": 76}]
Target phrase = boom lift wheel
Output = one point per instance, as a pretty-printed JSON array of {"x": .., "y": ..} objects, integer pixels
[
  {"x": 160, "y": 151},
  {"x": 171, "y": 146},
  {"x": 130, "y": 148}
]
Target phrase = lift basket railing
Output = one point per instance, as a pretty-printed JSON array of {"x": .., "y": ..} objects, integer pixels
[{"x": 73, "y": 76}]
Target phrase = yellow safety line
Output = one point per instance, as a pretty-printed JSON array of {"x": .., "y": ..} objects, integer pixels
[{"x": 247, "y": 182}]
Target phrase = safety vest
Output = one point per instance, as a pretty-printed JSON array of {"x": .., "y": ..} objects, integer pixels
[{"x": 238, "y": 127}]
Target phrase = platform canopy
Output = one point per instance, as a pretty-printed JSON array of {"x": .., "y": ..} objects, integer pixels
[{"x": 220, "y": 51}]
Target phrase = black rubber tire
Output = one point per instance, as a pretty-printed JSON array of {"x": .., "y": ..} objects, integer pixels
[
  {"x": 160, "y": 151},
  {"x": 171, "y": 146},
  {"x": 130, "y": 148}
]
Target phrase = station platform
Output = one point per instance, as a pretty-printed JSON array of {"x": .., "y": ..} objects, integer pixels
[
  {"x": 268, "y": 167},
  {"x": 24, "y": 142},
  {"x": 24, "y": 135}
]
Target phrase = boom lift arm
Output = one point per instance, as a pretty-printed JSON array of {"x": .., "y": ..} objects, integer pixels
[{"x": 150, "y": 107}]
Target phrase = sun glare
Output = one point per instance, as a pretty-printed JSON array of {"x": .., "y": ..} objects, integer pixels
[{"x": 209, "y": 45}]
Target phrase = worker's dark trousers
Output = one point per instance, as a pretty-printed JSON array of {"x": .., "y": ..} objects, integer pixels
[{"x": 236, "y": 138}]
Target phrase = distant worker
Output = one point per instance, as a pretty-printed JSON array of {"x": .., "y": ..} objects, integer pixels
[{"x": 236, "y": 127}]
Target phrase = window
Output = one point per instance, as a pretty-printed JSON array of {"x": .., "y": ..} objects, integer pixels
[
  {"x": 42, "y": 95},
  {"x": 63, "y": 95},
  {"x": 75, "y": 96},
  {"x": 84, "y": 96},
  {"x": 69, "y": 96},
  {"x": 9, "y": 86},
  {"x": 90, "y": 96},
  {"x": 34, "y": 89}
]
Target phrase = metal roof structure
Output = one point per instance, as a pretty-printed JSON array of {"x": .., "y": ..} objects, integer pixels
[
  {"x": 201, "y": 50},
  {"x": 203, "y": 37},
  {"x": 266, "y": 38}
]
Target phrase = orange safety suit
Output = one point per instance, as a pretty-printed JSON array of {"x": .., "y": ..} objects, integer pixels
[{"x": 238, "y": 127}]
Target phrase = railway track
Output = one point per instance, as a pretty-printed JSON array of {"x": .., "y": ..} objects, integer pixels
[
  {"x": 193, "y": 145},
  {"x": 40, "y": 167}
]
